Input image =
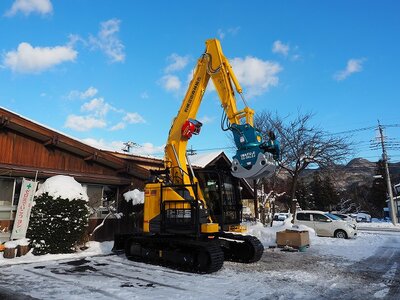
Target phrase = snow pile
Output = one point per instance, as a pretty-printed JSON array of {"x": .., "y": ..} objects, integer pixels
[
  {"x": 267, "y": 235},
  {"x": 62, "y": 186},
  {"x": 10, "y": 244},
  {"x": 95, "y": 248},
  {"x": 365, "y": 245},
  {"x": 136, "y": 196},
  {"x": 378, "y": 224}
]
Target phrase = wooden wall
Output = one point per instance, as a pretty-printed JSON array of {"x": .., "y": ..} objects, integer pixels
[{"x": 20, "y": 150}]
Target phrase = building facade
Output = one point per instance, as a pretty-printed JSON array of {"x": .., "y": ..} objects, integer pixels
[{"x": 33, "y": 151}]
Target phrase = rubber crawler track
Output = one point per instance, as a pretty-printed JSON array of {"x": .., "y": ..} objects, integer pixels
[
  {"x": 242, "y": 248},
  {"x": 177, "y": 253}
]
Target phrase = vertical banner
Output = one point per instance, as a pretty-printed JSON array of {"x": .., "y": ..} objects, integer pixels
[{"x": 23, "y": 214}]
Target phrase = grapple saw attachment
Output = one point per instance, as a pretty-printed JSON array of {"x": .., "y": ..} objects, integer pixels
[
  {"x": 254, "y": 158},
  {"x": 263, "y": 167}
]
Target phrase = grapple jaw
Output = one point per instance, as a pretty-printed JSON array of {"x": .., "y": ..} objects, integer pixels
[
  {"x": 254, "y": 158},
  {"x": 264, "y": 166}
]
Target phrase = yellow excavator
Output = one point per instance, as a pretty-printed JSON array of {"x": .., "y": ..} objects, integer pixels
[{"x": 188, "y": 222}]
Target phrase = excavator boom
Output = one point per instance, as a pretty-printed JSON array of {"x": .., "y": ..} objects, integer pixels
[{"x": 184, "y": 220}]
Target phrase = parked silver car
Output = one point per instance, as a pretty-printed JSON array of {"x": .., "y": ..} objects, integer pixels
[{"x": 325, "y": 224}]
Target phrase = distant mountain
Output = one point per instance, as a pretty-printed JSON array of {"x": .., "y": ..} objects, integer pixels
[{"x": 358, "y": 171}]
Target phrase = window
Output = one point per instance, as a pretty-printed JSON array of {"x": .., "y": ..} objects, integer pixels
[
  {"x": 95, "y": 194},
  {"x": 303, "y": 216},
  {"x": 336, "y": 217},
  {"x": 17, "y": 191},
  {"x": 320, "y": 218},
  {"x": 6, "y": 191},
  {"x": 110, "y": 194}
]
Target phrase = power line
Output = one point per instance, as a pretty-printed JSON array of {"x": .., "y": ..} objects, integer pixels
[
  {"x": 352, "y": 130},
  {"x": 363, "y": 129}
]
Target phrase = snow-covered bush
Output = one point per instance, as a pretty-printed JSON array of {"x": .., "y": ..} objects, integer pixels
[{"x": 59, "y": 216}]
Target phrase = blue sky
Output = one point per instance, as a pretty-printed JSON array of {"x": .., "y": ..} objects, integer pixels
[{"x": 108, "y": 72}]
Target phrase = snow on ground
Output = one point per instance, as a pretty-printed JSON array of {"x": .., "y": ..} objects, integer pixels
[
  {"x": 378, "y": 224},
  {"x": 94, "y": 248},
  {"x": 327, "y": 269}
]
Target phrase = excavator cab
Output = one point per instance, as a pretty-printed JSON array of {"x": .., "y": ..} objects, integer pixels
[{"x": 223, "y": 197}]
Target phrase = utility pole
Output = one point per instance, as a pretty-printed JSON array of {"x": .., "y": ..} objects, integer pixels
[
  {"x": 393, "y": 211},
  {"x": 191, "y": 151},
  {"x": 255, "y": 186}
]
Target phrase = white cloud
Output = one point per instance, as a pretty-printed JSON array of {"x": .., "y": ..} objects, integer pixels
[
  {"x": 129, "y": 118},
  {"x": 108, "y": 41},
  {"x": 104, "y": 145},
  {"x": 144, "y": 95},
  {"x": 28, "y": 59},
  {"x": 90, "y": 92},
  {"x": 97, "y": 106},
  {"x": 231, "y": 31},
  {"x": 255, "y": 74},
  {"x": 176, "y": 63},
  {"x": 134, "y": 118},
  {"x": 27, "y": 7},
  {"x": 206, "y": 119},
  {"x": 148, "y": 149},
  {"x": 119, "y": 126},
  {"x": 99, "y": 144},
  {"x": 353, "y": 66},
  {"x": 170, "y": 82},
  {"x": 96, "y": 112},
  {"x": 84, "y": 123},
  {"x": 221, "y": 34},
  {"x": 280, "y": 48}
]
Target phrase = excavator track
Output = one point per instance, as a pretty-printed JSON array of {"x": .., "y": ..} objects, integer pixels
[
  {"x": 184, "y": 254},
  {"x": 241, "y": 248}
]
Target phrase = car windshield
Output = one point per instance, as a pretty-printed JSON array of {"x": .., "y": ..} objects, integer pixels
[
  {"x": 333, "y": 217},
  {"x": 341, "y": 216}
]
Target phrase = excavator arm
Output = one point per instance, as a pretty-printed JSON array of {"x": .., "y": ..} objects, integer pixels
[{"x": 254, "y": 158}]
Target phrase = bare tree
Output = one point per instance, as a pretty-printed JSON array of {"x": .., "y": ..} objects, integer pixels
[{"x": 302, "y": 144}]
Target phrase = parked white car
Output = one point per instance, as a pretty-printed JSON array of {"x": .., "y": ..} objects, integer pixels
[
  {"x": 246, "y": 213},
  {"x": 344, "y": 217},
  {"x": 281, "y": 216},
  {"x": 325, "y": 224},
  {"x": 363, "y": 217}
]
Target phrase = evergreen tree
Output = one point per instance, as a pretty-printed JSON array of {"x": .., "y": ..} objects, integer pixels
[
  {"x": 330, "y": 195},
  {"x": 303, "y": 196},
  {"x": 324, "y": 195},
  {"x": 57, "y": 225},
  {"x": 316, "y": 191},
  {"x": 359, "y": 196}
]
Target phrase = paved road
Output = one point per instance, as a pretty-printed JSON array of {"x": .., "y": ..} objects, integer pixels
[{"x": 378, "y": 229}]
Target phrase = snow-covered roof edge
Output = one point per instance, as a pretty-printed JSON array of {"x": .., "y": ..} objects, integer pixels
[{"x": 202, "y": 160}]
